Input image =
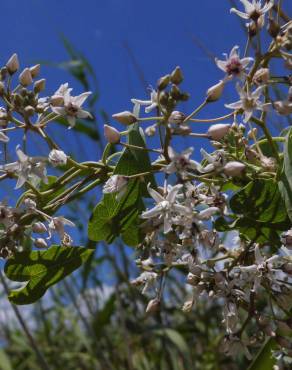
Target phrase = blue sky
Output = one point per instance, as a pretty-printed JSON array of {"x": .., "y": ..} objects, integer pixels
[{"x": 159, "y": 33}]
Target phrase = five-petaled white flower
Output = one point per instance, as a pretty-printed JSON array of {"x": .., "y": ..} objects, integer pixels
[
  {"x": 166, "y": 207},
  {"x": 72, "y": 106},
  {"x": 254, "y": 10},
  {"x": 57, "y": 225},
  {"x": 284, "y": 107},
  {"x": 27, "y": 168},
  {"x": 181, "y": 162},
  {"x": 263, "y": 267},
  {"x": 150, "y": 104},
  {"x": 233, "y": 66},
  {"x": 249, "y": 101}
]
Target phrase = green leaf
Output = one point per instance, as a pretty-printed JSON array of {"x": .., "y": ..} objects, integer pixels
[
  {"x": 5, "y": 363},
  {"x": 285, "y": 183},
  {"x": 264, "y": 359},
  {"x": 42, "y": 269},
  {"x": 112, "y": 217},
  {"x": 259, "y": 212},
  {"x": 137, "y": 138}
]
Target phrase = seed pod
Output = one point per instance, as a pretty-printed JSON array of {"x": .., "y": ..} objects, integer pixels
[
  {"x": 111, "y": 134},
  {"x": 176, "y": 76},
  {"x": 25, "y": 78},
  {"x": 126, "y": 117},
  {"x": 234, "y": 168},
  {"x": 218, "y": 131},
  {"x": 35, "y": 70},
  {"x": 12, "y": 64}
]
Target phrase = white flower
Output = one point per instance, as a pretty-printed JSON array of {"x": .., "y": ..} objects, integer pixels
[
  {"x": 215, "y": 161},
  {"x": 72, "y": 108},
  {"x": 233, "y": 66},
  {"x": 57, "y": 157},
  {"x": 150, "y": 104},
  {"x": 116, "y": 184},
  {"x": 27, "y": 168},
  {"x": 181, "y": 163},
  {"x": 263, "y": 267},
  {"x": 147, "y": 279},
  {"x": 249, "y": 101},
  {"x": 254, "y": 10},
  {"x": 57, "y": 225},
  {"x": 166, "y": 207}
]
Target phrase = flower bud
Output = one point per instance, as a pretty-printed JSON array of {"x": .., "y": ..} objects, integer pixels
[
  {"x": 214, "y": 93},
  {"x": 13, "y": 64},
  {"x": 175, "y": 92},
  {"x": 273, "y": 28},
  {"x": 56, "y": 100},
  {"x": 57, "y": 157},
  {"x": 35, "y": 70},
  {"x": 39, "y": 228},
  {"x": 176, "y": 117},
  {"x": 111, "y": 134},
  {"x": 150, "y": 130},
  {"x": 176, "y": 76},
  {"x": 40, "y": 243},
  {"x": 3, "y": 73},
  {"x": 25, "y": 78},
  {"x": 261, "y": 76},
  {"x": 153, "y": 305},
  {"x": 234, "y": 168},
  {"x": 126, "y": 117},
  {"x": 218, "y": 131},
  {"x": 39, "y": 85},
  {"x": 29, "y": 111},
  {"x": 163, "y": 82}
]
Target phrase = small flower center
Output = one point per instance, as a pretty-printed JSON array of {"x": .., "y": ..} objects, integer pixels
[{"x": 234, "y": 67}]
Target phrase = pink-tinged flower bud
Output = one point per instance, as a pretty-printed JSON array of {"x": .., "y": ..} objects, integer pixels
[
  {"x": 215, "y": 92},
  {"x": 261, "y": 76},
  {"x": 35, "y": 70},
  {"x": 57, "y": 157},
  {"x": 25, "y": 78},
  {"x": 153, "y": 305},
  {"x": 234, "y": 168},
  {"x": 13, "y": 64},
  {"x": 176, "y": 117},
  {"x": 111, "y": 134},
  {"x": 40, "y": 243},
  {"x": 218, "y": 131},
  {"x": 39, "y": 228},
  {"x": 57, "y": 100},
  {"x": 126, "y": 117},
  {"x": 39, "y": 85}
]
